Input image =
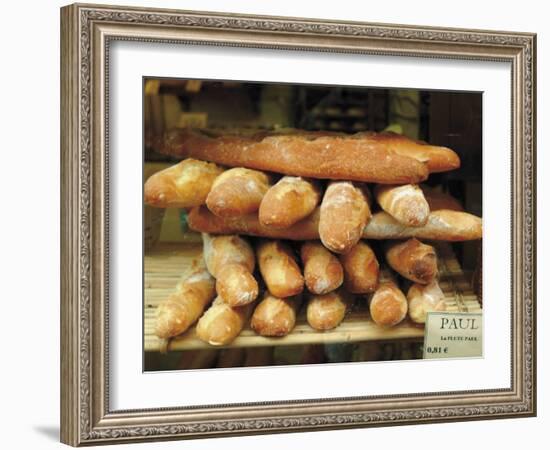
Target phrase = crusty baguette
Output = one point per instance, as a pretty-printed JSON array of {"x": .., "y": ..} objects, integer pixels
[
  {"x": 230, "y": 259},
  {"x": 323, "y": 272},
  {"x": 437, "y": 159},
  {"x": 388, "y": 305},
  {"x": 275, "y": 316},
  {"x": 237, "y": 191},
  {"x": 182, "y": 308},
  {"x": 361, "y": 269},
  {"x": 423, "y": 299},
  {"x": 366, "y": 158},
  {"x": 344, "y": 213},
  {"x": 413, "y": 260},
  {"x": 279, "y": 269},
  {"x": 405, "y": 203},
  {"x": 444, "y": 225},
  {"x": 288, "y": 201},
  {"x": 183, "y": 185},
  {"x": 221, "y": 323},
  {"x": 325, "y": 312}
]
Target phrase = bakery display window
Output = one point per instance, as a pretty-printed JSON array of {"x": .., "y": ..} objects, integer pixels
[{"x": 302, "y": 224}]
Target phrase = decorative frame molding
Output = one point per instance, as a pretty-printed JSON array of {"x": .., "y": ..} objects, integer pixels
[{"x": 86, "y": 31}]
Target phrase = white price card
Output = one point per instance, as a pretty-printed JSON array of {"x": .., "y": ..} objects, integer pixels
[{"x": 453, "y": 335}]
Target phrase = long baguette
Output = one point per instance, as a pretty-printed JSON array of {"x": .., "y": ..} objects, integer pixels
[
  {"x": 325, "y": 312},
  {"x": 413, "y": 260},
  {"x": 221, "y": 323},
  {"x": 444, "y": 225},
  {"x": 344, "y": 213},
  {"x": 290, "y": 200},
  {"x": 323, "y": 272},
  {"x": 423, "y": 299},
  {"x": 230, "y": 259},
  {"x": 183, "y": 185},
  {"x": 279, "y": 269},
  {"x": 405, "y": 203},
  {"x": 388, "y": 305},
  {"x": 275, "y": 316},
  {"x": 369, "y": 158},
  {"x": 182, "y": 308},
  {"x": 361, "y": 269},
  {"x": 237, "y": 191}
]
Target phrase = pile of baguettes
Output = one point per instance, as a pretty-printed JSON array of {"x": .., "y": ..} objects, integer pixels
[{"x": 331, "y": 193}]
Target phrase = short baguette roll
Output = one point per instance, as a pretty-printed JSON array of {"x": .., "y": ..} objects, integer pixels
[
  {"x": 275, "y": 316},
  {"x": 183, "y": 185},
  {"x": 279, "y": 269},
  {"x": 361, "y": 269},
  {"x": 444, "y": 225},
  {"x": 405, "y": 203},
  {"x": 388, "y": 305},
  {"x": 237, "y": 192},
  {"x": 323, "y": 272},
  {"x": 344, "y": 213},
  {"x": 423, "y": 299},
  {"x": 230, "y": 259},
  {"x": 288, "y": 201},
  {"x": 413, "y": 260},
  {"x": 182, "y": 308},
  {"x": 221, "y": 323},
  {"x": 325, "y": 312}
]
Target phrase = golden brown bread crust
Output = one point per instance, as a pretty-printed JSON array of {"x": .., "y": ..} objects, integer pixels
[
  {"x": 437, "y": 159},
  {"x": 275, "y": 316},
  {"x": 221, "y": 323},
  {"x": 201, "y": 219},
  {"x": 344, "y": 213},
  {"x": 279, "y": 269},
  {"x": 183, "y": 185},
  {"x": 388, "y": 305},
  {"x": 405, "y": 203},
  {"x": 290, "y": 200},
  {"x": 236, "y": 285},
  {"x": 237, "y": 191},
  {"x": 361, "y": 269},
  {"x": 413, "y": 260},
  {"x": 182, "y": 308},
  {"x": 444, "y": 225},
  {"x": 323, "y": 272},
  {"x": 359, "y": 158},
  {"x": 325, "y": 312}
]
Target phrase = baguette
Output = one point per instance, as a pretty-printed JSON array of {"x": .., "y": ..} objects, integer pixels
[
  {"x": 279, "y": 269},
  {"x": 182, "y": 308},
  {"x": 230, "y": 259},
  {"x": 221, "y": 323},
  {"x": 413, "y": 260},
  {"x": 405, "y": 203},
  {"x": 183, "y": 185},
  {"x": 444, "y": 225},
  {"x": 361, "y": 269},
  {"x": 237, "y": 192},
  {"x": 388, "y": 305},
  {"x": 325, "y": 312},
  {"x": 323, "y": 272},
  {"x": 344, "y": 213},
  {"x": 288, "y": 201},
  {"x": 367, "y": 158},
  {"x": 423, "y": 299},
  {"x": 275, "y": 316}
]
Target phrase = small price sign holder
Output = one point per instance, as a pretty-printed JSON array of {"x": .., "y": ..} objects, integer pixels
[{"x": 453, "y": 335}]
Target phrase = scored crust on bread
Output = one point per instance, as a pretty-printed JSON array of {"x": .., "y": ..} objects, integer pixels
[{"x": 328, "y": 156}]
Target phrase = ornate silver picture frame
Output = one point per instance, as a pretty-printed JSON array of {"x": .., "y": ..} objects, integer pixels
[{"x": 87, "y": 31}]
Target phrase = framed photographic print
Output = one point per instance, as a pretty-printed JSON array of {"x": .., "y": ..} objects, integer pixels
[{"x": 278, "y": 224}]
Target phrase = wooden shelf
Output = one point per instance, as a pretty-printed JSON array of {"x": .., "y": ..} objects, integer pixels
[{"x": 167, "y": 263}]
